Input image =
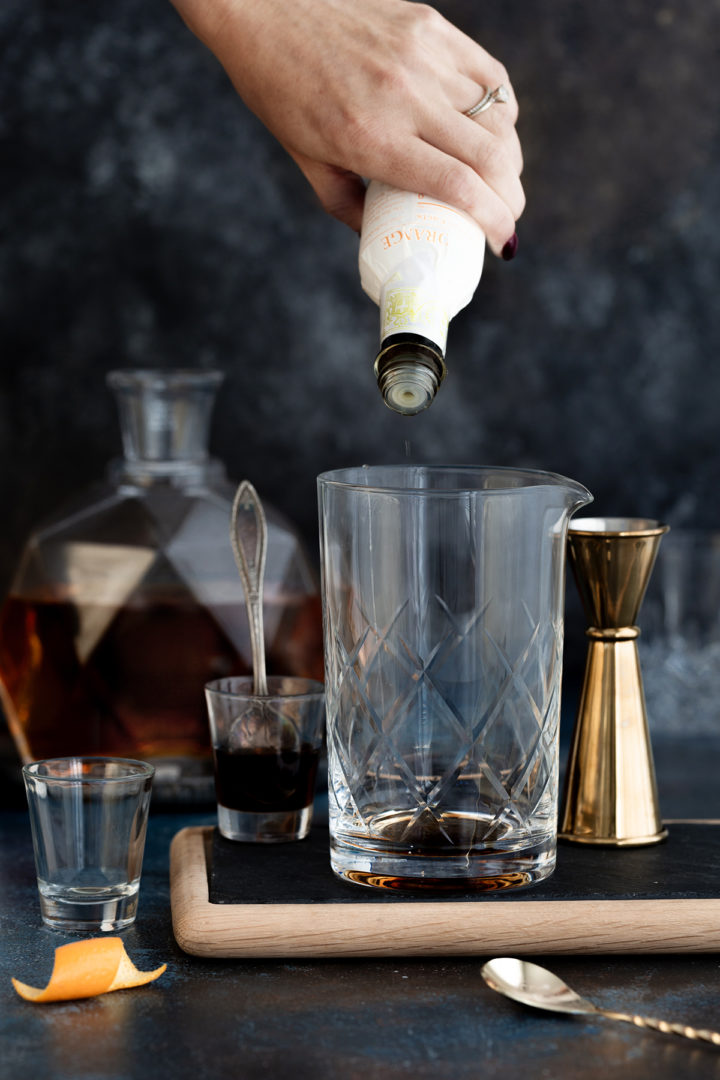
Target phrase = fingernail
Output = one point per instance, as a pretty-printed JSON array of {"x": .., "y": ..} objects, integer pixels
[{"x": 510, "y": 249}]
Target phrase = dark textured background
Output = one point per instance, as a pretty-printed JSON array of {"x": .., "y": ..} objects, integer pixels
[{"x": 150, "y": 220}]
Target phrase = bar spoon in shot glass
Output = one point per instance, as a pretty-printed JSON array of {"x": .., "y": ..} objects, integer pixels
[
  {"x": 537, "y": 987},
  {"x": 248, "y": 536},
  {"x": 266, "y": 731}
]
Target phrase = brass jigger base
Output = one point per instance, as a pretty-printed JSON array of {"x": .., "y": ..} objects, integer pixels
[
  {"x": 610, "y": 797},
  {"x": 612, "y": 841}
]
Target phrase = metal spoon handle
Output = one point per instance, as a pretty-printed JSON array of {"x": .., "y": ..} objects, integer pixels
[
  {"x": 248, "y": 536},
  {"x": 666, "y": 1027}
]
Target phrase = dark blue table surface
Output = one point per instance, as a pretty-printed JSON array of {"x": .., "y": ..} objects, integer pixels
[{"x": 342, "y": 1018}]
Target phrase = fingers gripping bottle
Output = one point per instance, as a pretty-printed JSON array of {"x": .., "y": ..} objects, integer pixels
[{"x": 420, "y": 261}]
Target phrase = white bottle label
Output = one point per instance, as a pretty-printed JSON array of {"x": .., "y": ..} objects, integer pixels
[{"x": 420, "y": 260}]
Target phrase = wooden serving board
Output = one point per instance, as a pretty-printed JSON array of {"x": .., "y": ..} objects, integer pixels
[{"x": 245, "y": 900}]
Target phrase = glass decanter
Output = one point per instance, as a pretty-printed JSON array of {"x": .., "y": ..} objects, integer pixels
[{"x": 128, "y": 602}]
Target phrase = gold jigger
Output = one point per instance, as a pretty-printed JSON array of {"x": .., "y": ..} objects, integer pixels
[{"x": 610, "y": 793}]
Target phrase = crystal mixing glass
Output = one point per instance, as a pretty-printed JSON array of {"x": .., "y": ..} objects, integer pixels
[{"x": 443, "y": 593}]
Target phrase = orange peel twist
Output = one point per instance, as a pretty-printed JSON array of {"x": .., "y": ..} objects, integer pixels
[{"x": 84, "y": 969}]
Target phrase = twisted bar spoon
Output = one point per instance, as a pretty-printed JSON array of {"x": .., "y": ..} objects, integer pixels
[{"x": 533, "y": 985}]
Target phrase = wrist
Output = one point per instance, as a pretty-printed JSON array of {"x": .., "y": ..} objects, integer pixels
[{"x": 209, "y": 19}]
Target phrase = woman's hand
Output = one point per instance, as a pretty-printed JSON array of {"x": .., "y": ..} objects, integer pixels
[{"x": 374, "y": 89}]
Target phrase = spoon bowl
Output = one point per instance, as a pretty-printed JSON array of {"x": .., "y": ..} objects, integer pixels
[
  {"x": 533, "y": 985},
  {"x": 537, "y": 987}
]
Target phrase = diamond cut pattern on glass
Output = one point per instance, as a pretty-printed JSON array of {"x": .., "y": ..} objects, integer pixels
[{"x": 460, "y": 719}]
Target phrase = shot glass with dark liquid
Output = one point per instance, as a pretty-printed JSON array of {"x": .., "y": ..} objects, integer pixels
[{"x": 266, "y": 750}]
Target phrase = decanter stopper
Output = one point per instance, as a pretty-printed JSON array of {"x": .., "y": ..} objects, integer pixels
[{"x": 165, "y": 416}]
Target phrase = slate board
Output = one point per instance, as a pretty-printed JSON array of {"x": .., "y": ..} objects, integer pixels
[{"x": 685, "y": 866}]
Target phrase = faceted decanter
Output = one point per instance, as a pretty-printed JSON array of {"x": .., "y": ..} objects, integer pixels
[{"x": 127, "y": 603}]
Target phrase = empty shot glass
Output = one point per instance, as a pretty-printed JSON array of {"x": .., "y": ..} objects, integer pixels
[
  {"x": 89, "y": 818},
  {"x": 266, "y": 750}
]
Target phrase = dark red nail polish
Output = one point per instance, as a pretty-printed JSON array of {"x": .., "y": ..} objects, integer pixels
[{"x": 510, "y": 249}]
